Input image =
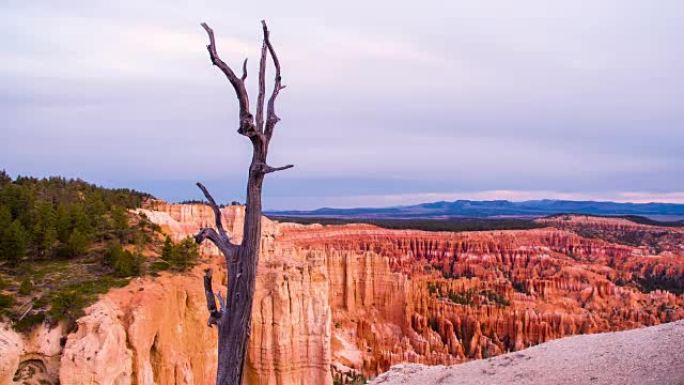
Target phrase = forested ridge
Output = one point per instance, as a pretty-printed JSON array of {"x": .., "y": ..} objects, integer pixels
[
  {"x": 64, "y": 241},
  {"x": 56, "y": 217}
]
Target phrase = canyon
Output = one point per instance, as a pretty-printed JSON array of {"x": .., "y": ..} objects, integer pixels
[{"x": 339, "y": 303}]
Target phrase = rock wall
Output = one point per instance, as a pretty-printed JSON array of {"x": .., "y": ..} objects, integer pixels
[
  {"x": 145, "y": 333},
  {"x": 155, "y": 329},
  {"x": 33, "y": 358}
]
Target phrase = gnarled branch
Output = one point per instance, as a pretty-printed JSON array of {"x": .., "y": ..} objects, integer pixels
[
  {"x": 244, "y": 70},
  {"x": 214, "y": 313},
  {"x": 268, "y": 169},
  {"x": 262, "y": 89},
  {"x": 210, "y": 234},
  {"x": 271, "y": 117},
  {"x": 246, "y": 119},
  {"x": 217, "y": 213}
]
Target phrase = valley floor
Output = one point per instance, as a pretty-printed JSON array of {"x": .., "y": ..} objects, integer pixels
[{"x": 651, "y": 355}]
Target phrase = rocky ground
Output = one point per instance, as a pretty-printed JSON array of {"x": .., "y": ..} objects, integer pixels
[{"x": 651, "y": 355}]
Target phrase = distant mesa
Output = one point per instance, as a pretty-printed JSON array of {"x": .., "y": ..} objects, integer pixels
[{"x": 499, "y": 208}]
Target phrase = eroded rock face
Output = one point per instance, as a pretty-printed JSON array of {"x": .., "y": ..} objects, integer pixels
[
  {"x": 155, "y": 331},
  {"x": 11, "y": 346},
  {"x": 442, "y": 298},
  {"x": 356, "y": 299},
  {"x": 97, "y": 352},
  {"x": 32, "y": 358}
]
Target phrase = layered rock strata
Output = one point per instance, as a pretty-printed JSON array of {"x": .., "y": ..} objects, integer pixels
[{"x": 475, "y": 295}]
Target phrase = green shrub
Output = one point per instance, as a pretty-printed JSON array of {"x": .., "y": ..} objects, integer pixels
[
  {"x": 181, "y": 256},
  {"x": 26, "y": 286},
  {"x": 29, "y": 321},
  {"x": 155, "y": 267},
  {"x": 520, "y": 287},
  {"x": 461, "y": 299},
  {"x": 77, "y": 243},
  {"x": 6, "y": 301},
  {"x": 98, "y": 285},
  {"x": 124, "y": 263},
  {"x": 497, "y": 298},
  {"x": 66, "y": 305},
  {"x": 653, "y": 282},
  {"x": 468, "y": 298}
]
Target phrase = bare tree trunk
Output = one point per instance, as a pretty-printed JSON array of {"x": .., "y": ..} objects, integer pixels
[{"x": 234, "y": 317}]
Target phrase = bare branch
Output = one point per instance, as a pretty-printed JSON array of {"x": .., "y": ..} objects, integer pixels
[
  {"x": 271, "y": 117},
  {"x": 262, "y": 88},
  {"x": 217, "y": 213},
  {"x": 246, "y": 119},
  {"x": 244, "y": 70},
  {"x": 268, "y": 169},
  {"x": 210, "y": 234},
  {"x": 214, "y": 314},
  {"x": 30, "y": 307}
]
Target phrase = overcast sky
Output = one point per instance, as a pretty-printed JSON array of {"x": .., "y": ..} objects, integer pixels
[{"x": 387, "y": 102}]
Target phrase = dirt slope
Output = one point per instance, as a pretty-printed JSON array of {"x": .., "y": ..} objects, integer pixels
[{"x": 652, "y": 355}]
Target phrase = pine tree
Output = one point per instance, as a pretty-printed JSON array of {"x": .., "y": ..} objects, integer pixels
[
  {"x": 77, "y": 243},
  {"x": 187, "y": 253},
  {"x": 80, "y": 220},
  {"x": 44, "y": 229},
  {"x": 123, "y": 262},
  {"x": 5, "y": 219},
  {"x": 168, "y": 250},
  {"x": 13, "y": 243},
  {"x": 4, "y": 178},
  {"x": 180, "y": 256},
  {"x": 62, "y": 223},
  {"x": 120, "y": 221}
]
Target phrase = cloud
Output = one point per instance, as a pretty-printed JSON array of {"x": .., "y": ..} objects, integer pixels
[{"x": 383, "y": 99}]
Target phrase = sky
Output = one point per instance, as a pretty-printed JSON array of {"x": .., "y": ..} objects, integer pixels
[{"x": 387, "y": 102}]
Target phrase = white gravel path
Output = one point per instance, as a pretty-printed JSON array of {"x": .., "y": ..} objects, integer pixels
[{"x": 646, "y": 356}]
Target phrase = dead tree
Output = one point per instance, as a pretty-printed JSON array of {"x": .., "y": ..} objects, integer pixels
[{"x": 234, "y": 316}]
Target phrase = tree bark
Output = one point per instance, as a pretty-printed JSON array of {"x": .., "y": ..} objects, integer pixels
[{"x": 234, "y": 317}]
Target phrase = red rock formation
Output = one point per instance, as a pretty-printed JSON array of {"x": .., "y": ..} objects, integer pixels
[
  {"x": 357, "y": 299},
  {"x": 474, "y": 295},
  {"x": 653, "y": 239}
]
